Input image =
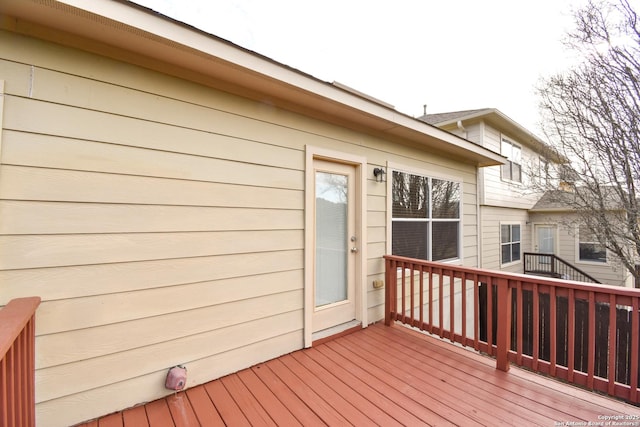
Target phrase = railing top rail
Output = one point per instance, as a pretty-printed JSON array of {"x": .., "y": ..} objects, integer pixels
[
  {"x": 13, "y": 317},
  {"x": 524, "y": 278}
]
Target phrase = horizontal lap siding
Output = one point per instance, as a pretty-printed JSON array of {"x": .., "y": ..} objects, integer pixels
[
  {"x": 492, "y": 218},
  {"x": 162, "y": 223},
  {"x": 159, "y": 231}
]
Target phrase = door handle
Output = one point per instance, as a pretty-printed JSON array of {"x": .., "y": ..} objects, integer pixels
[{"x": 354, "y": 250}]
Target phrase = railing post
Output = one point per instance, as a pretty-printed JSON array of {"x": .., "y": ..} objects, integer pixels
[
  {"x": 389, "y": 290},
  {"x": 503, "y": 340}
]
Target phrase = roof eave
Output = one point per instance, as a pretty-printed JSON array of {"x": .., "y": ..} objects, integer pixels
[{"x": 143, "y": 36}]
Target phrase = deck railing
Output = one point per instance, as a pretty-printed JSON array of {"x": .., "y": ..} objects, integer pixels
[
  {"x": 585, "y": 334},
  {"x": 551, "y": 265},
  {"x": 17, "y": 363}
]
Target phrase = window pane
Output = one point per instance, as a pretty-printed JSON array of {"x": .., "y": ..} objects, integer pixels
[
  {"x": 516, "y": 154},
  {"x": 593, "y": 252},
  {"x": 515, "y": 233},
  {"x": 506, "y": 253},
  {"x": 506, "y": 171},
  {"x": 516, "y": 172},
  {"x": 446, "y": 199},
  {"x": 409, "y": 194},
  {"x": 505, "y": 149},
  {"x": 589, "y": 247},
  {"x": 505, "y": 233},
  {"x": 409, "y": 238},
  {"x": 445, "y": 240},
  {"x": 515, "y": 252}
]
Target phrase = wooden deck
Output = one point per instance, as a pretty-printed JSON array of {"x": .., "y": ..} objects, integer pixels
[{"x": 378, "y": 376}]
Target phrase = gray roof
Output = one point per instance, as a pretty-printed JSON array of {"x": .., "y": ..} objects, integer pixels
[
  {"x": 434, "y": 119},
  {"x": 561, "y": 200}
]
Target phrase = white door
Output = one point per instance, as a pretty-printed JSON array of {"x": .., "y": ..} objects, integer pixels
[
  {"x": 336, "y": 244},
  {"x": 545, "y": 241}
]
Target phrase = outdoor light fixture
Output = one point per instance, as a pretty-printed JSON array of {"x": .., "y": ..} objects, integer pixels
[{"x": 379, "y": 174}]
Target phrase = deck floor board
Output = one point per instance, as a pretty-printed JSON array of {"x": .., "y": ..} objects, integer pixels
[{"x": 376, "y": 376}]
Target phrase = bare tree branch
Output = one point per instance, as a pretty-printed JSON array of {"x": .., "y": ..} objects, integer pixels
[{"x": 591, "y": 115}]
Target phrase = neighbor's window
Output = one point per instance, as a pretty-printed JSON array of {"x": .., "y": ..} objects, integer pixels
[
  {"x": 425, "y": 217},
  {"x": 512, "y": 170},
  {"x": 589, "y": 247},
  {"x": 545, "y": 175},
  {"x": 509, "y": 243}
]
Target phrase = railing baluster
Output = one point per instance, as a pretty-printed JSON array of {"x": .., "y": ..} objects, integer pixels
[
  {"x": 421, "y": 284},
  {"x": 463, "y": 301},
  {"x": 552, "y": 331},
  {"x": 635, "y": 337},
  {"x": 476, "y": 312},
  {"x": 489, "y": 286},
  {"x": 571, "y": 333},
  {"x": 612, "y": 344},
  {"x": 592, "y": 341},
  {"x": 430, "y": 300},
  {"x": 519, "y": 326},
  {"x": 403, "y": 293},
  {"x": 412, "y": 298},
  {"x": 536, "y": 327},
  {"x": 452, "y": 306},
  {"x": 441, "y": 302}
]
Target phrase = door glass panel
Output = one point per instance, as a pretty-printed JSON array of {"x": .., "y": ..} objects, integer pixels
[
  {"x": 331, "y": 238},
  {"x": 546, "y": 243},
  {"x": 545, "y": 240}
]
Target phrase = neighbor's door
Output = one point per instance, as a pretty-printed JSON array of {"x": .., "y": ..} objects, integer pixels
[
  {"x": 545, "y": 240},
  {"x": 336, "y": 245}
]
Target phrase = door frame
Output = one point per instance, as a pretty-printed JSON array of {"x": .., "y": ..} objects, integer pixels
[{"x": 360, "y": 165}]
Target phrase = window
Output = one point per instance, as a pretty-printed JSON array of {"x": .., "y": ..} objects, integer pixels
[
  {"x": 589, "y": 248},
  {"x": 425, "y": 217},
  {"x": 512, "y": 170},
  {"x": 509, "y": 243},
  {"x": 545, "y": 177}
]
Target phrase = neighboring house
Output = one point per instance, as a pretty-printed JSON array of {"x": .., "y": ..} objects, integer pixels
[
  {"x": 514, "y": 217},
  {"x": 173, "y": 199},
  {"x": 575, "y": 243}
]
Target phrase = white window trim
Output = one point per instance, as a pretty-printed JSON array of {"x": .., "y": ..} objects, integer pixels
[
  {"x": 510, "y": 263},
  {"x": 586, "y": 262},
  {"x": 397, "y": 167}
]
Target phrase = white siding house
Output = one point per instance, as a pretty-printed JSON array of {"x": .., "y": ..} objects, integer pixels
[
  {"x": 514, "y": 217},
  {"x": 505, "y": 196},
  {"x": 159, "y": 190}
]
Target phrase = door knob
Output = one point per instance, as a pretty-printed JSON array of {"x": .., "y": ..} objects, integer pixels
[{"x": 354, "y": 250}]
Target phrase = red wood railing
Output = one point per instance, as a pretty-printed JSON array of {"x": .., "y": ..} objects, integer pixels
[
  {"x": 585, "y": 334},
  {"x": 17, "y": 363}
]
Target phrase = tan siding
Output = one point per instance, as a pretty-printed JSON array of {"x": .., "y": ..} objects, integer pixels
[
  {"x": 37, "y": 251},
  {"x": 162, "y": 223},
  {"x": 27, "y": 183},
  {"x": 88, "y": 280},
  {"x": 611, "y": 273},
  {"x": 491, "y": 220},
  {"x": 65, "y": 153},
  {"x": 124, "y": 357},
  {"x": 504, "y": 193},
  {"x": 269, "y": 339}
]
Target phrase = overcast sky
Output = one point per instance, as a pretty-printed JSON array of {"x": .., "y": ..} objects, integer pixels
[{"x": 451, "y": 55}]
